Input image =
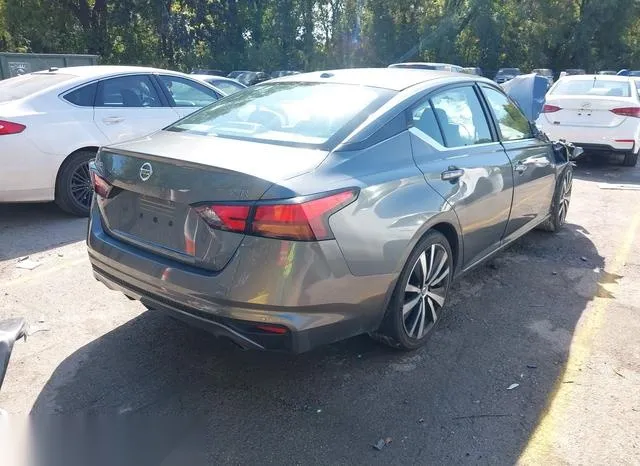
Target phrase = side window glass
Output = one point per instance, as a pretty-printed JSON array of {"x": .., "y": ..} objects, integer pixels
[
  {"x": 423, "y": 118},
  {"x": 513, "y": 124},
  {"x": 186, "y": 93},
  {"x": 83, "y": 96},
  {"x": 128, "y": 91},
  {"x": 461, "y": 117}
]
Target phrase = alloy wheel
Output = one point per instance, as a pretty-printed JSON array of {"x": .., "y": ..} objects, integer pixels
[
  {"x": 81, "y": 190},
  {"x": 565, "y": 196},
  {"x": 425, "y": 291}
]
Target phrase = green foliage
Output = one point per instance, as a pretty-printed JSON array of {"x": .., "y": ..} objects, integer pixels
[{"x": 313, "y": 34}]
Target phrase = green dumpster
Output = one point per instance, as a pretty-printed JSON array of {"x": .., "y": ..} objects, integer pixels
[{"x": 15, "y": 64}]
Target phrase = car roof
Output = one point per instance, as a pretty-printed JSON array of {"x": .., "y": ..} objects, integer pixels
[
  {"x": 432, "y": 63},
  {"x": 586, "y": 77},
  {"x": 106, "y": 70},
  {"x": 395, "y": 79}
]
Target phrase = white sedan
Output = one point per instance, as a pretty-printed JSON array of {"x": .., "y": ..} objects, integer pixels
[
  {"x": 53, "y": 122},
  {"x": 599, "y": 113}
]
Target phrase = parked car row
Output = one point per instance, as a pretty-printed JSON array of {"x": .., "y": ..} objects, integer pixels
[{"x": 198, "y": 213}]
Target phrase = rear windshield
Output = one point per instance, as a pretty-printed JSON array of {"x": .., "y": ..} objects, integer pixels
[
  {"x": 592, "y": 87},
  {"x": 288, "y": 113},
  {"x": 225, "y": 86},
  {"x": 23, "y": 86}
]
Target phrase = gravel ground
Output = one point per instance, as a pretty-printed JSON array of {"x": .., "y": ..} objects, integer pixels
[{"x": 556, "y": 314}]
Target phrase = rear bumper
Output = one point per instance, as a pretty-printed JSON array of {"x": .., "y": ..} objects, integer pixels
[
  {"x": 303, "y": 287},
  {"x": 620, "y": 139},
  {"x": 604, "y": 148}
]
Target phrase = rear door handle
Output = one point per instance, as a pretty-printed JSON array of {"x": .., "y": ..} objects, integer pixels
[
  {"x": 520, "y": 168},
  {"x": 452, "y": 174},
  {"x": 112, "y": 120}
]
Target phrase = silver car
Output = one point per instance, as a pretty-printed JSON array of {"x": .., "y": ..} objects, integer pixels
[{"x": 320, "y": 206}]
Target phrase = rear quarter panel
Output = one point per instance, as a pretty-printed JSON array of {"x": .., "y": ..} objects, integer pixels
[{"x": 395, "y": 207}]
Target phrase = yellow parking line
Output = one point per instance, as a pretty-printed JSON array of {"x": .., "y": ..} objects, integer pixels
[
  {"x": 37, "y": 274},
  {"x": 540, "y": 448}
]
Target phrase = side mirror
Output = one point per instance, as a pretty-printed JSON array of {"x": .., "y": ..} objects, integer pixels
[
  {"x": 576, "y": 153},
  {"x": 10, "y": 331}
]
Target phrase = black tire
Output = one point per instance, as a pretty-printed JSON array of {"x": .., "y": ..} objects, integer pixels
[
  {"x": 561, "y": 202},
  {"x": 630, "y": 160},
  {"x": 409, "y": 327},
  {"x": 73, "y": 185}
]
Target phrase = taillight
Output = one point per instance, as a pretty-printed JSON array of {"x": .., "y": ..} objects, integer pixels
[
  {"x": 7, "y": 127},
  {"x": 298, "y": 221},
  {"x": 225, "y": 217},
  {"x": 548, "y": 108},
  {"x": 627, "y": 111},
  {"x": 306, "y": 221},
  {"x": 101, "y": 186}
]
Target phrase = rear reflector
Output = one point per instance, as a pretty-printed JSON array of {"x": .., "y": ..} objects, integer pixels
[
  {"x": 101, "y": 186},
  {"x": 298, "y": 221},
  {"x": 272, "y": 329},
  {"x": 548, "y": 108},
  {"x": 225, "y": 217},
  {"x": 630, "y": 141},
  {"x": 627, "y": 111},
  {"x": 7, "y": 127}
]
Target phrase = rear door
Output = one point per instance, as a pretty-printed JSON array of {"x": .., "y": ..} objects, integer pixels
[
  {"x": 129, "y": 107},
  {"x": 185, "y": 95},
  {"x": 462, "y": 159},
  {"x": 532, "y": 160}
]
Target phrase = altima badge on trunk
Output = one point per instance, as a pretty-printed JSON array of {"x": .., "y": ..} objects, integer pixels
[{"x": 146, "y": 170}]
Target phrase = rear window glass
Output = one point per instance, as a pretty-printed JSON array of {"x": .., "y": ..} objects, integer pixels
[
  {"x": 83, "y": 96},
  {"x": 28, "y": 84},
  {"x": 592, "y": 87},
  {"x": 289, "y": 113},
  {"x": 226, "y": 86}
]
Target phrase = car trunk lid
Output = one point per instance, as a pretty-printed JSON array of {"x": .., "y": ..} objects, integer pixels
[
  {"x": 158, "y": 180},
  {"x": 587, "y": 111}
]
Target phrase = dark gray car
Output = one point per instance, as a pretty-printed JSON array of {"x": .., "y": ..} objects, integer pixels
[{"x": 320, "y": 206}]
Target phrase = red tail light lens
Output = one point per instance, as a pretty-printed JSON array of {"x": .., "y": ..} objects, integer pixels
[
  {"x": 225, "y": 217},
  {"x": 627, "y": 111},
  {"x": 101, "y": 186},
  {"x": 7, "y": 127},
  {"x": 278, "y": 330},
  {"x": 302, "y": 221},
  {"x": 548, "y": 108},
  {"x": 307, "y": 221}
]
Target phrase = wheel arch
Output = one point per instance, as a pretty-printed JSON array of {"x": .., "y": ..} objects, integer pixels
[
  {"x": 447, "y": 224},
  {"x": 68, "y": 158}
]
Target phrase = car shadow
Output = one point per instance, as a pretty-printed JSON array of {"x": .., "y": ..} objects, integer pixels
[
  {"x": 154, "y": 391},
  {"x": 606, "y": 170},
  {"x": 30, "y": 228}
]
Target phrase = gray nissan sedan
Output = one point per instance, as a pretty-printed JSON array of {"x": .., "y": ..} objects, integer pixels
[{"x": 316, "y": 207}]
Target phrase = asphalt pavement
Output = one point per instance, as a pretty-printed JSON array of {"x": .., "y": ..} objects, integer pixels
[{"x": 537, "y": 360}]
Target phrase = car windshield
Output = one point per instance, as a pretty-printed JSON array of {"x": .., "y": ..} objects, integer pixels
[
  {"x": 591, "y": 87},
  {"x": 235, "y": 74},
  {"x": 23, "y": 86},
  {"x": 298, "y": 114},
  {"x": 543, "y": 72},
  {"x": 227, "y": 87}
]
